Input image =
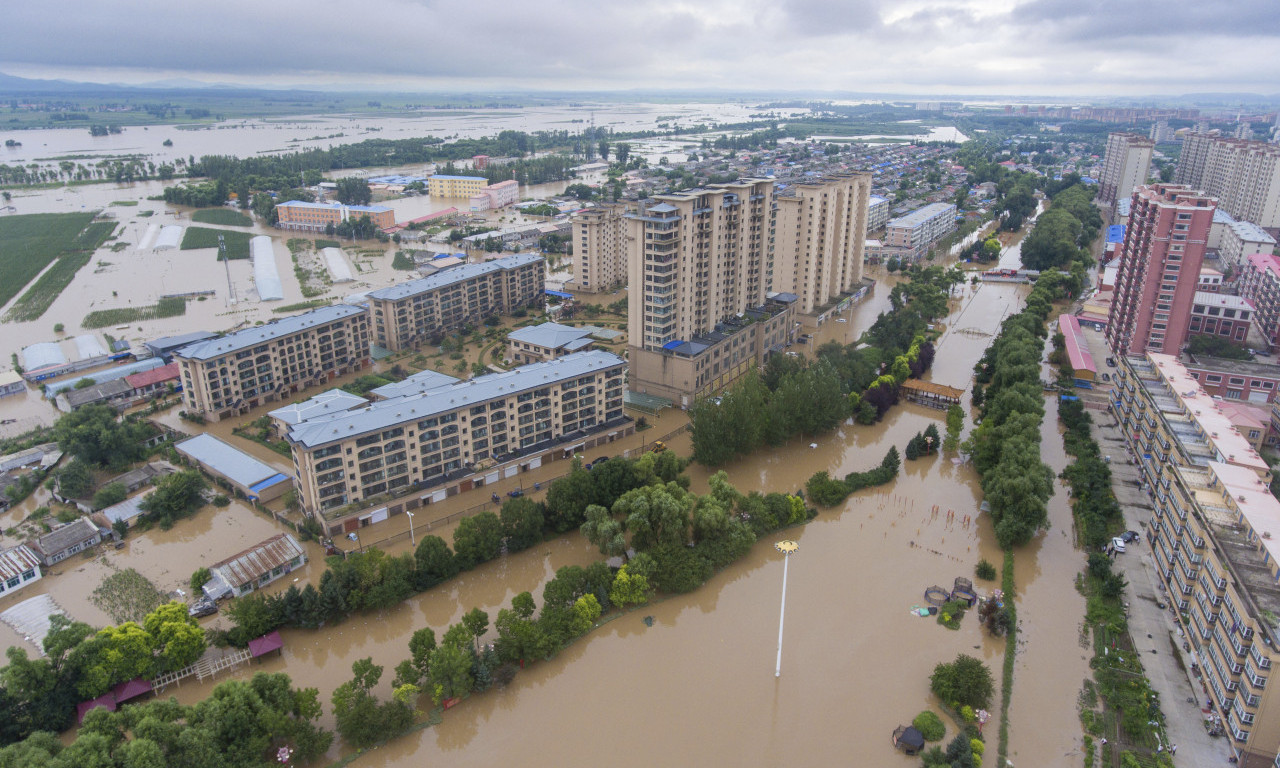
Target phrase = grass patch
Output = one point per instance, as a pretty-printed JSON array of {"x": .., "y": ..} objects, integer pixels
[
  {"x": 327, "y": 244},
  {"x": 301, "y": 306},
  {"x": 36, "y": 301},
  {"x": 203, "y": 237},
  {"x": 402, "y": 261},
  {"x": 105, "y": 318},
  {"x": 144, "y": 214},
  {"x": 223, "y": 216},
  {"x": 123, "y": 203},
  {"x": 31, "y": 242},
  {"x": 127, "y": 596}
]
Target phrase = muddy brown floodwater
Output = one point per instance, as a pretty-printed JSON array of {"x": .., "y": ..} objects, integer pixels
[{"x": 697, "y": 686}]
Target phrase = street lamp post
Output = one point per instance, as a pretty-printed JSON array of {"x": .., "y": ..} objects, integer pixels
[
  {"x": 786, "y": 547},
  {"x": 412, "y": 542}
]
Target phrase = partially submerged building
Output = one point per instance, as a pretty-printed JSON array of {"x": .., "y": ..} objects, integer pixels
[
  {"x": 255, "y": 567},
  {"x": 61, "y": 543},
  {"x": 251, "y": 478},
  {"x": 19, "y": 566}
]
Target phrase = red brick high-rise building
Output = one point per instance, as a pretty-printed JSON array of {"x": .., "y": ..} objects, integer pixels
[{"x": 1160, "y": 262}]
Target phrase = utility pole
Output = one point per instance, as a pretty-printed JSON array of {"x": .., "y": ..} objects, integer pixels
[
  {"x": 226, "y": 262},
  {"x": 786, "y": 547}
]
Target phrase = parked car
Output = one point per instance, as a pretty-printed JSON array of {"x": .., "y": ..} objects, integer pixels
[
  {"x": 203, "y": 607},
  {"x": 1118, "y": 544},
  {"x": 517, "y": 493},
  {"x": 1128, "y": 536}
]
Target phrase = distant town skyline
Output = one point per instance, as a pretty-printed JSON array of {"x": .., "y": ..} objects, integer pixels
[{"x": 1065, "y": 48}]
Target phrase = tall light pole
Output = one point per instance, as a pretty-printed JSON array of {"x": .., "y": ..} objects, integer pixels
[
  {"x": 412, "y": 542},
  {"x": 786, "y": 547}
]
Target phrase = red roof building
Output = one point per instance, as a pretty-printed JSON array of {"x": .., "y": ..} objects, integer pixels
[{"x": 150, "y": 381}]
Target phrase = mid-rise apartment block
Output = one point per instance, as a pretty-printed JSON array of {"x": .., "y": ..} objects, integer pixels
[
  {"x": 877, "y": 212},
  {"x": 912, "y": 234},
  {"x": 442, "y": 185},
  {"x": 1260, "y": 284},
  {"x": 599, "y": 249},
  {"x": 1221, "y": 315},
  {"x": 301, "y": 216},
  {"x": 820, "y": 231},
  {"x": 1243, "y": 175},
  {"x": 700, "y": 264},
  {"x": 409, "y": 313},
  {"x": 1159, "y": 269},
  {"x": 231, "y": 374},
  {"x": 1211, "y": 538},
  {"x": 496, "y": 196},
  {"x": 456, "y": 430},
  {"x": 1124, "y": 166},
  {"x": 1242, "y": 239}
]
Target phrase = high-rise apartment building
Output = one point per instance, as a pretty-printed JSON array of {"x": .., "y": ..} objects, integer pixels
[
  {"x": 699, "y": 266},
  {"x": 228, "y": 375},
  {"x": 1260, "y": 284},
  {"x": 1243, "y": 175},
  {"x": 409, "y": 313},
  {"x": 820, "y": 231},
  {"x": 1125, "y": 166},
  {"x": 599, "y": 250},
  {"x": 1159, "y": 269}
]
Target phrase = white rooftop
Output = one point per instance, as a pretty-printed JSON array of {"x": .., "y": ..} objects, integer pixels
[
  {"x": 387, "y": 413},
  {"x": 329, "y": 401},
  {"x": 420, "y": 382},
  {"x": 1251, "y": 233},
  {"x": 452, "y": 276},
  {"x": 226, "y": 460},
  {"x": 1225, "y": 300},
  {"x": 266, "y": 278},
  {"x": 552, "y": 335},
  {"x": 259, "y": 334}
]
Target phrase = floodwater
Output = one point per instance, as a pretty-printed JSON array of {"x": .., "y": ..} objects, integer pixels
[
  {"x": 855, "y": 660},
  {"x": 246, "y": 138}
]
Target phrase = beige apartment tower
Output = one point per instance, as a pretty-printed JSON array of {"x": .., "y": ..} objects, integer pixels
[
  {"x": 599, "y": 250},
  {"x": 821, "y": 228},
  {"x": 699, "y": 266},
  {"x": 1243, "y": 175},
  {"x": 1124, "y": 167}
]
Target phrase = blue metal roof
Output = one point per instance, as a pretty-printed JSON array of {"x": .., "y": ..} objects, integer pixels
[
  {"x": 1115, "y": 233},
  {"x": 275, "y": 479},
  {"x": 561, "y": 294},
  {"x": 672, "y": 344}
]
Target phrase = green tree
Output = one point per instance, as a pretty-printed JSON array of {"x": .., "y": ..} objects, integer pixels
[
  {"x": 629, "y": 588},
  {"x": 477, "y": 623},
  {"x": 654, "y": 515},
  {"x": 521, "y": 523},
  {"x": 353, "y": 191},
  {"x": 963, "y": 682},
  {"x": 361, "y": 718},
  {"x": 477, "y": 539},
  {"x": 606, "y": 532},
  {"x": 434, "y": 562},
  {"x": 96, "y": 436},
  {"x": 109, "y": 494},
  {"x": 586, "y": 610},
  {"x": 176, "y": 638},
  {"x": 75, "y": 480},
  {"x": 175, "y": 496}
]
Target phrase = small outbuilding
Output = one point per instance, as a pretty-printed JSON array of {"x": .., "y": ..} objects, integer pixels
[
  {"x": 928, "y": 393},
  {"x": 908, "y": 739},
  {"x": 252, "y": 478}
]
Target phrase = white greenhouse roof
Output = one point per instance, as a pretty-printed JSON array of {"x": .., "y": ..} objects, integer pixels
[
  {"x": 170, "y": 237},
  {"x": 265, "y": 276},
  {"x": 43, "y": 355},
  {"x": 88, "y": 347},
  {"x": 336, "y": 261}
]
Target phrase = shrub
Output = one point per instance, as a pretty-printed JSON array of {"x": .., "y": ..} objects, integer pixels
[
  {"x": 221, "y": 500},
  {"x": 985, "y": 570},
  {"x": 964, "y": 682},
  {"x": 930, "y": 726}
]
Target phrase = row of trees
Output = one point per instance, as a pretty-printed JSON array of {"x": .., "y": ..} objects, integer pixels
[
  {"x": 1071, "y": 224},
  {"x": 861, "y": 379},
  {"x": 1092, "y": 499},
  {"x": 374, "y": 580},
  {"x": 81, "y": 663},
  {"x": 243, "y": 724},
  {"x": 1007, "y": 443}
]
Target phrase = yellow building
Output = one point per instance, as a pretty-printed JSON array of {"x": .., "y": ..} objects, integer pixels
[
  {"x": 820, "y": 234},
  {"x": 441, "y": 185}
]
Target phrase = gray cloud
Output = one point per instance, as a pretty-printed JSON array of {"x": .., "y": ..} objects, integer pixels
[{"x": 1037, "y": 46}]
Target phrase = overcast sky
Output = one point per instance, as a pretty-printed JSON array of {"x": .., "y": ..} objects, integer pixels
[{"x": 1014, "y": 47}]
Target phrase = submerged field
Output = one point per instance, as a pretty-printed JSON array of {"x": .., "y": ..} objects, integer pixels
[
  {"x": 30, "y": 243},
  {"x": 223, "y": 216},
  {"x": 203, "y": 237}
]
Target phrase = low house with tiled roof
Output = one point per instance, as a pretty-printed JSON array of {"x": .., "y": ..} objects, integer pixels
[
  {"x": 60, "y": 543},
  {"x": 255, "y": 567}
]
